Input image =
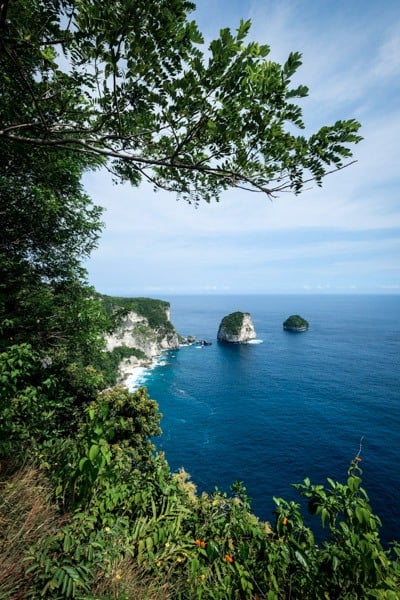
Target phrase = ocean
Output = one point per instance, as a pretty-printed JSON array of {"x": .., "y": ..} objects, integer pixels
[{"x": 292, "y": 405}]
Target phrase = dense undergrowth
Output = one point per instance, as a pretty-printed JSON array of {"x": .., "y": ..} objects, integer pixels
[{"x": 89, "y": 510}]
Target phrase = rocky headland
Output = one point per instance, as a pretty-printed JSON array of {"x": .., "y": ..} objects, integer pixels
[{"x": 142, "y": 325}]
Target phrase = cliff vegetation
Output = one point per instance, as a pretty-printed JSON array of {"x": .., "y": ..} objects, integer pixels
[
  {"x": 156, "y": 312},
  {"x": 232, "y": 323},
  {"x": 138, "y": 329}
]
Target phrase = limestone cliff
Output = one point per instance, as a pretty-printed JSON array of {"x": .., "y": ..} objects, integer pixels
[
  {"x": 236, "y": 328},
  {"x": 142, "y": 324},
  {"x": 135, "y": 331}
]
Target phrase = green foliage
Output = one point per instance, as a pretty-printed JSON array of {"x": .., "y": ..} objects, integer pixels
[
  {"x": 155, "y": 311},
  {"x": 233, "y": 322},
  {"x": 29, "y": 403},
  {"x": 295, "y": 322},
  {"x": 108, "y": 362},
  {"x": 49, "y": 225},
  {"x": 209, "y": 546},
  {"x": 354, "y": 545},
  {"x": 112, "y": 443},
  {"x": 137, "y": 88}
]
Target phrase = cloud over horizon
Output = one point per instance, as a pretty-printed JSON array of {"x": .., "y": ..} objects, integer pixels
[{"x": 343, "y": 236}]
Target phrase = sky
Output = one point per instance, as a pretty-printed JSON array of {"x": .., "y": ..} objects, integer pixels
[{"x": 341, "y": 238}]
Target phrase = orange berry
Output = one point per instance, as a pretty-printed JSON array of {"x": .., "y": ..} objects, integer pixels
[
  {"x": 284, "y": 521},
  {"x": 358, "y": 459},
  {"x": 228, "y": 558}
]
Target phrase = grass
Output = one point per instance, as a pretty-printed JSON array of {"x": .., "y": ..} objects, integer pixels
[{"x": 26, "y": 515}]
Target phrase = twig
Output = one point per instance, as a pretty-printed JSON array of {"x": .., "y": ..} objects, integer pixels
[{"x": 360, "y": 447}]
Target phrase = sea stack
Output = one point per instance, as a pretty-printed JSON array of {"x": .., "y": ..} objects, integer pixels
[
  {"x": 295, "y": 323},
  {"x": 236, "y": 328}
]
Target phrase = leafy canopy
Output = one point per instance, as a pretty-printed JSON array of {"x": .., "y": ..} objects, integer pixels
[{"x": 131, "y": 83}]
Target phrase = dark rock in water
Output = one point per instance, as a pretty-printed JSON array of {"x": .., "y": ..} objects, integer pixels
[{"x": 203, "y": 343}]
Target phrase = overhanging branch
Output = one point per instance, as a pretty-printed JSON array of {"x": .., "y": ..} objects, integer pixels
[{"x": 141, "y": 163}]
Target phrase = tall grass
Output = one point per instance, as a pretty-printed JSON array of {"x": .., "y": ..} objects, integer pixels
[{"x": 26, "y": 515}]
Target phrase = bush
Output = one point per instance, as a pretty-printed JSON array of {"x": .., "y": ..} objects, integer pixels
[{"x": 142, "y": 533}]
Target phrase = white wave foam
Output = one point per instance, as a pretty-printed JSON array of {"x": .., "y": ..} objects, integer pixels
[
  {"x": 136, "y": 378},
  {"x": 255, "y": 341}
]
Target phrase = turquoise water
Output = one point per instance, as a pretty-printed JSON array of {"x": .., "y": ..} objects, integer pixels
[{"x": 295, "y": 405}]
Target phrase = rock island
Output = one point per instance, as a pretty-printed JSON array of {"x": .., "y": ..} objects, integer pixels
[
  {"x": 236, "y": 328},
  {"x": 295, "y": 323}
]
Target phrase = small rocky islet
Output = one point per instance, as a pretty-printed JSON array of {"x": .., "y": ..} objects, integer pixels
[
  {"x": 143, "y": 327},
  {"x": 236, "y": 328},
  {"x": 295, "y": 323}
]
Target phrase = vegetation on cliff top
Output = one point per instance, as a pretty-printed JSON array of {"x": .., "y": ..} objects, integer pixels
[
  {"x": 155, "y": 311},
  {"x": 117, "y": 308},
  {"x": 295, "y": 322},
  {"x": 233, "y": 322}
]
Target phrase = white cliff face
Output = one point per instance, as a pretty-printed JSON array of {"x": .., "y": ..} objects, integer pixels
[
  {"x": 242, "y": 334},
  {"x": 135, "y": 332},
  {"x": 248, "y": 332}
]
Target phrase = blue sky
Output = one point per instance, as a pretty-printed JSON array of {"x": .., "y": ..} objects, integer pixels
[{"x": 341, "y": 238}]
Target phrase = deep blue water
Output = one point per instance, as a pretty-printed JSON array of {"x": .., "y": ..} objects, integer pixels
[{"x": 296, "y": 405}]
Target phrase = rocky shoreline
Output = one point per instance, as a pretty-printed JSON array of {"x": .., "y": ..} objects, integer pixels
[{"x": 136, "y": 331}]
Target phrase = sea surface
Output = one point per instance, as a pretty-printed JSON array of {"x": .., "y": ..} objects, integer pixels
[{"x": 292, "y": 405}]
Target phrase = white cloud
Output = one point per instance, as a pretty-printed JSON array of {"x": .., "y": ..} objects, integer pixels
[
  {"x": 387, "y": 63},
  {"x": 351, "y": 66}
]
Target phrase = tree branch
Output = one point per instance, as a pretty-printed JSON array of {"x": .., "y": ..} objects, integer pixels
[{"x": 235, "y": 179}]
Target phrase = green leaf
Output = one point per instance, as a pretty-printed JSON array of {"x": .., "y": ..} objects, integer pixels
[
  {"x": 83, "y": 463},
  {"x": 149, "y": 544},
  {"x": 335, "y": 563},
  {"x": 324, "y": 516},
  {"x": 353, "y": 483},
  {"x": 93, "y": 452},
  {"x": 300, "y": 558}
]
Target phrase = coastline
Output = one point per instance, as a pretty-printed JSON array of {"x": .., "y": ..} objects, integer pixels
[
  {"x": 133, "y": 374},
  {"x": 136, "y": 378}
]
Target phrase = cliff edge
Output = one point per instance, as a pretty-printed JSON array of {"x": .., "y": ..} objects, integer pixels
[{"x": 142, "y": 325}]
